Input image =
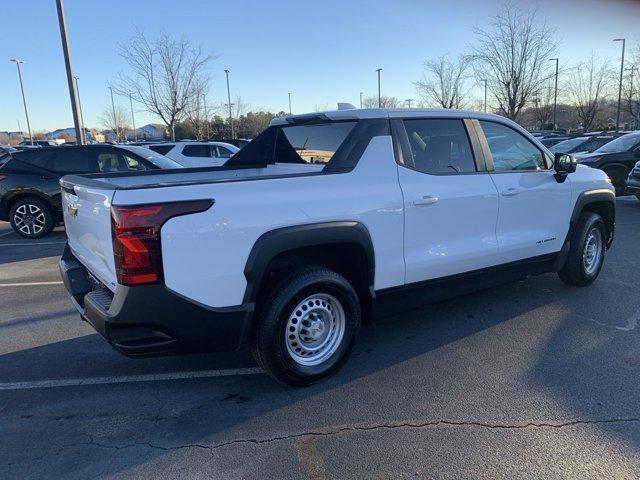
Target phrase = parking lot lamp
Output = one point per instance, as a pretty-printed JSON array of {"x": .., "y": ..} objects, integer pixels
[
  {"x": 113, "y": 112},
  {"x": 379, "y": 97},
  {"x": 485, "y": 93},
  {"x": 620, "y": 86},
  {"x": 226, "y": 71},
  {"x": 289, "y": 103},
  {"x": 360, "y": 99},
  {"x": 555, "y": 93},
  {"x": 79, "y": 104},
  {"x": 67, "y": 61},
  {"x": 24, "y": 98},
  {"x": 409, "y": 100},
  {"x": 133, "y": 119}
]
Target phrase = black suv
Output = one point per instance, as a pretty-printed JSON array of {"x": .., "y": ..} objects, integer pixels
[
  {"x": 29, "y": 180},
  {"x": 615, "y": 158}
]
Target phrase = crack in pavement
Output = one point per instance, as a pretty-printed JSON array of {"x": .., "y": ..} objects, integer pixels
[{"x": 337, "y": 430}]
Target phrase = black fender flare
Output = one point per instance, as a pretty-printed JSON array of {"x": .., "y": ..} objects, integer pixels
[
  {"x": 280, "y": 240},
  {"x": 584, "y": 199}
]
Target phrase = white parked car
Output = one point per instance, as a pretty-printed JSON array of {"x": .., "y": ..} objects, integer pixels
[
  {"x": 196, "y": 154},
  {"x": 321, "y": 222}
]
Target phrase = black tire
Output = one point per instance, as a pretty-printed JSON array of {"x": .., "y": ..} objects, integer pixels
[
  {"x": 618, "y": 179},
  {"x": 271, "y": 338},
  {"x": 575, "y": 272},
  {"x": 31, "y": 217}
]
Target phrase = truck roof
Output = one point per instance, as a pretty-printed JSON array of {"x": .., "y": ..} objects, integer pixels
[{"x": 365, "y": 113}]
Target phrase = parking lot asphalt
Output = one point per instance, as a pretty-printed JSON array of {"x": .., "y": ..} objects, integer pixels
[{"x": 527, "y": 380}]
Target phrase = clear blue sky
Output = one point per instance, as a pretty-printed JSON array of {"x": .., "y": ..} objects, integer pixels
[{"x": 322, "y": 51}]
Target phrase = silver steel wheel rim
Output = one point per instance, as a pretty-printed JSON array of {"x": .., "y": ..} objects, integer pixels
[
  {"x": 315, "y": 329},
  {"x": 592, "y": 253},
  {"x": 29, "y": 219}
]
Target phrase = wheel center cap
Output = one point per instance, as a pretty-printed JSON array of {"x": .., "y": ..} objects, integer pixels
[{"x": 316, "y": 328}]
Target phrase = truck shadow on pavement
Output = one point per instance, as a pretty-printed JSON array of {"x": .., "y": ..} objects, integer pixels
[{"x": 479, "y": 358}]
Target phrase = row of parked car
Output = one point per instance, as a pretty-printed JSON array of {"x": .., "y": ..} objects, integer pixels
[{"x": 30, "y": 190}]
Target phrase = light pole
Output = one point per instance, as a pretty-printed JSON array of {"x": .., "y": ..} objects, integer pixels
[
  {"x": 409, "y": 100},
  {"x": 289, "y": 103},
  {"x": 79, "y": 104},
  {"x": 633, "y": 118},
  {"x": 555, "y": 94},
  {"x": 226, "y": 71},
  {"x": 360, "y": 99},
  {"x": 485, "y": 93},
  {"x": 620, "y": 87},
  {"x": 24, "y": 97},
  {"x": 379, "y": 97},
  {"x": 133, "y": 119},
  {"x": 113, "y": 113},
  {"x": 67, "y": 60}
]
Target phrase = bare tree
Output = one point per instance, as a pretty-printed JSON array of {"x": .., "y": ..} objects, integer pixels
[
  {"x": 587, "y": 89},
  {"x": 167, "y": 74},
  {"x": 513, "y": 56},
  {"x": 632, "y": 90},
  {"x": 385, "y": 102},
  {"x": 197, "y": 117},
  {"x": 444, "y": 83},
  {"x": 116, "y": 120}
]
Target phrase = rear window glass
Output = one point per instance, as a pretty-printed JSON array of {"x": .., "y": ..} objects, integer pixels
[
  {"x": 311, "y": 143},
  {"x": 161, "y": 149}
]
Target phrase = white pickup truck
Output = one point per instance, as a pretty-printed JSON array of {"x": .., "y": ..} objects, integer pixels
[{"x": 320, "y": 223}]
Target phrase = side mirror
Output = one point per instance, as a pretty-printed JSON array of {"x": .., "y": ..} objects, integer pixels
[{"x": 564, "y": 164}]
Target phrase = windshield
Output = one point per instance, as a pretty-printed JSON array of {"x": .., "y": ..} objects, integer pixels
[
  {"x": 622, "y": 144},
  {"x": 567, "y": 145},
  {"x": 158, "y": 160}
]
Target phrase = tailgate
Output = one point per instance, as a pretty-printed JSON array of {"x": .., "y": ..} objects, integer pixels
[{"x": 87, "y": 220}]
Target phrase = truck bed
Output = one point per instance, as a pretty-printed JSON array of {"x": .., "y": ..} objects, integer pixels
[{"x": 191, "y": 176}]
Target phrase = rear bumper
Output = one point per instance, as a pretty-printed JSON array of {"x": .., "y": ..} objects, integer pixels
[
  {"x": 151, "y": 320},
  {"x": 633, "y": 186}
]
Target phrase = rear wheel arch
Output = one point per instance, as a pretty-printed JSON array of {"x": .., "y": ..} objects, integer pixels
[{"x": 344, "y": 247}]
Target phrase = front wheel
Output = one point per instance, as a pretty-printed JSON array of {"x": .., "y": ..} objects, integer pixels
[
  {"x": 306, "y": 325},
  {"x": 586, "y": 252}
]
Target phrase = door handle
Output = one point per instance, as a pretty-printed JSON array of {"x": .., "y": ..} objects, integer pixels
[
  {"x": 510, "y": 192},
  {"x": 425, "y": 200}
]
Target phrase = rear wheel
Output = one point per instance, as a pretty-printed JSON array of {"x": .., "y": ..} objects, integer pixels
[
  {"x": 586, "y": 253},
  {"x": 618, "y": 179},
  {"x": 306, "y": 325},
  {"x": 31, "y": 218}
]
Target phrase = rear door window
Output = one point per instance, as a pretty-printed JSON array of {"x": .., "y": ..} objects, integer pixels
[
  {"x": 69, "y": 160},
  {"x": 440, "y": 146},
  {"x": 196, "y": 151}
]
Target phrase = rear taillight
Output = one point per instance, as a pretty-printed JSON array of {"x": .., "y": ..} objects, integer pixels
[{"x": 136, "y": 238}]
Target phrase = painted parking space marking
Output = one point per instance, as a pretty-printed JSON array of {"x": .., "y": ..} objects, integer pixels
[
  {"x": 30, "y": 284},
  {"x": 27, "y": 244},
  {"x": 154, "y": 377}
]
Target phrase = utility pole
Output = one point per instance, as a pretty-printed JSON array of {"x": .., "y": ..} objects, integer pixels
[
  {"x": 24, "y": 98},
  {"x": 409, "y": 100},
  {"x": 79, "y": 104},
  {"x": 379, "y": 97},
  {"x": 226, "y": 71},
  {"x": 113, "y": 112},
  {"x": 289, "y": 103},
  {"x": 360, "y": 99},
  {"x": 633, "y": 118},
  {"x": 555, "y": 94},
  {"x": 67, "y": 60},
  {"x": 620, "y": 87},
  {"x": 133, "y": 119}
]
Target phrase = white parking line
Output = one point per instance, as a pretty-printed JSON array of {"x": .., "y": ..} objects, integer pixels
[
  {"x": 156, "y": 377},
  {"x": 26, "y": 244},
  {"x": 30, "y": 284}
]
